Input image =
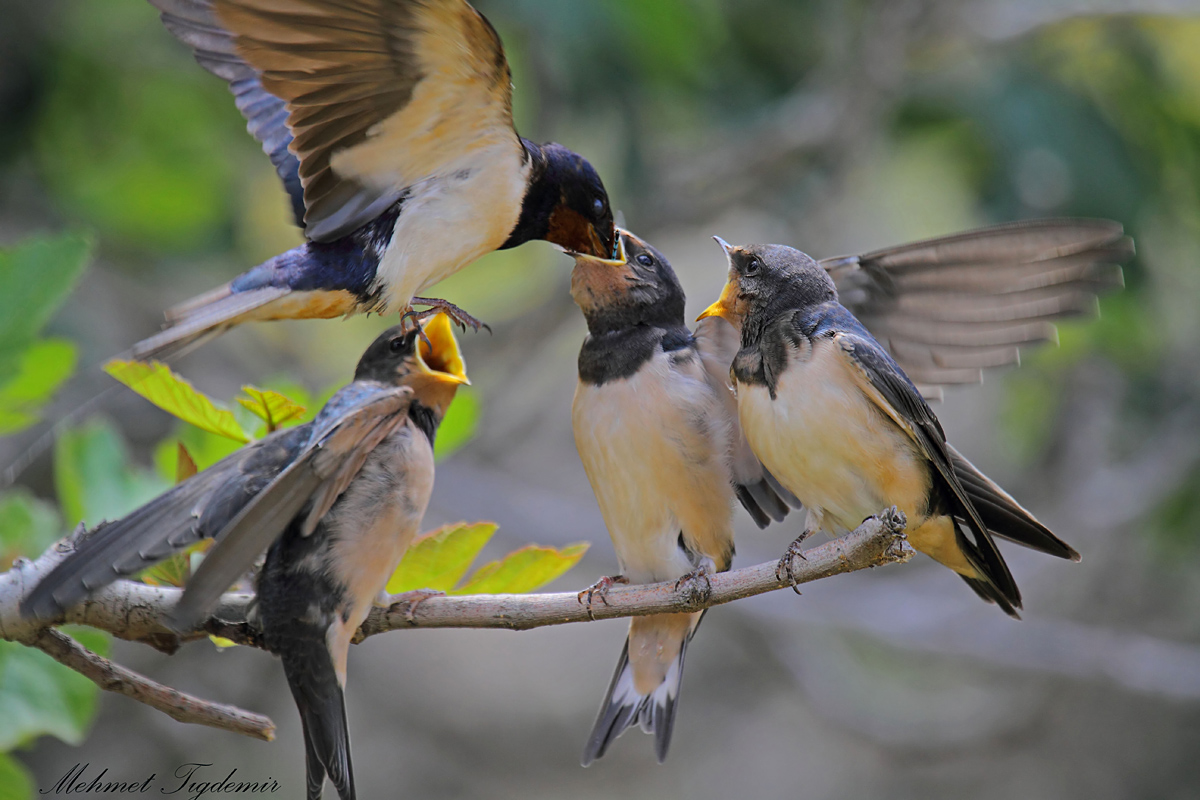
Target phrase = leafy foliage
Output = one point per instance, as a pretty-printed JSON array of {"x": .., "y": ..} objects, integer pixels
[
  {"x": 39, "y": 696},
  {"x": 271, "y": 407},
  {"x": 173, "y": 394},
  {"x": 438, "y": 560},
  {"x": 94, "y": 478}
]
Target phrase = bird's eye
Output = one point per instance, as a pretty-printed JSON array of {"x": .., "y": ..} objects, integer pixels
[
  {"x": 396, "y": 345},
  {"x": 753, "y": 266},
  {"x": 645, "y": 260},
  {"x": 598, "y": 207}
]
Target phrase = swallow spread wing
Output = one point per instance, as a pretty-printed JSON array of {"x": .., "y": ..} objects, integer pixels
[
  {"x": 249, "y": 496},
  {"x": 390, "y": 125},
  {"x": 950, "y": 307}
]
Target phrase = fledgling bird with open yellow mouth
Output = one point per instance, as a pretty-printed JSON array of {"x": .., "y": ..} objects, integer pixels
[
  {"x": 334, "y": 503},
  {"x": 390, "y": 124},
  {"x": 656, "y": 429},
  {"x": 830, "y": 412}
]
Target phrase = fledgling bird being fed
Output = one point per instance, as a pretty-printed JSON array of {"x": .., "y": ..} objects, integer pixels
[
  {"x": 390, "y": 124},
  {"x": 831, "y": 413},
  {"x": 334, "y": 503},
  {"x": 656, "y": 429}
]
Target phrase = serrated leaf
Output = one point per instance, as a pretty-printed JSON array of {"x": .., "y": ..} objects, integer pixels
[
  {"x": 39, "y": 696},
  {"x": 524, "y": 570},
  {"x": 27, "y": 526},
  {"x": 173, "y": 394},
  {"x": 38, "y": 372},
  {"x": 458, "y": 427},
  {"x": 176, "y": 569},
  {"x": 36, "y": 277},
  {"x": 15, "y": 781},
  {"x": 93, "y": 477},
  {"x": 439, "y": 559},
  {"x": 271, "y": 407}
]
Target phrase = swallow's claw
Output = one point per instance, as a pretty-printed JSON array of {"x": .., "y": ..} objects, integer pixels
[
  {"x": 436, "y": 305},
  {"x": 696, "y": 585},
  {"x": 599, "y": 589},
  {"x": 787, "y": 565},
  {"x": 410, "y": 601}
]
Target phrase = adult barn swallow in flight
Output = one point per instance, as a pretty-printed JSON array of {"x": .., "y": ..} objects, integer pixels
[
  {"x": 656, "y": 428},
  {"x": 836, "y": 419},
  {"x": 334, "y": 502},
  {"x": 390, "y": 125}
]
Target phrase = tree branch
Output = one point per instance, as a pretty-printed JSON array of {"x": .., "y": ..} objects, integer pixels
[
  {"x": 134, "y": 611},
  {"x": 172, "y": 702}
]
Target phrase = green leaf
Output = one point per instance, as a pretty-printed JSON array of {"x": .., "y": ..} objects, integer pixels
[
  {"x": 35, "y": 279},
  {"x": 271, "y": 407},
  {"x": 93, "y": 477},
  {"x": 15, "y": 781},
  {"x": 524, "y": 570},
  {"x": 458, "y": 427},
  {"x": 27, "y": 526},
  {"x": 173, "y": 394},
  {"x": 176, "y": 569},
  {"x": 439, "y": 559},
  {"x": 39, "y": 371},
  {"x": 39, "y": 696}
]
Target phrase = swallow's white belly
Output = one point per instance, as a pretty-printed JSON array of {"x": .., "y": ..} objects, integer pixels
[
  {"x": 654, "y": 447},
  {"x": 829, "y": 445},
  {"x": 467, "y": 210}
]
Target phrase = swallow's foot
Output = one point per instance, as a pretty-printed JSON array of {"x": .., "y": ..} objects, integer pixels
[
  {"x": 599, "y": 589},
  {"x": 695, "y": 586},
  {"x": 893, "y": 520},
  {"x": 787, "y": 565},
  {"x": 409, "y": 600},
  {"x": 436, "y": 305}
]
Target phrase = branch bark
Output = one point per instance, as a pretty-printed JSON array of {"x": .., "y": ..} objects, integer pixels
[{"x": 134, "y": 611}]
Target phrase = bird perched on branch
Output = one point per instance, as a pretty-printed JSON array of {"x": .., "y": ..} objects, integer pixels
[
  {"x": 334, "y": 502},
  {"x": 656, "y": 428},
  {"x": 831, "y": 413},
  {"x": 390, "y": 124}
]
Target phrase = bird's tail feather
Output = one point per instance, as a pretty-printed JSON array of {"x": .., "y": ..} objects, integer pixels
[
  {"x": 624, "y": 705},
  {"x": 203, "y": 317},
  {"x": 1003, "y": 515},
  {"x": 319, "y": 697}
]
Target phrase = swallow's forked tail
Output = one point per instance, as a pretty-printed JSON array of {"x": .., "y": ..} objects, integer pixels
[
  {"x": 319, "y": 697},
  {"x": 204, "y": 317},
  {"x": 645, "y": 687}
]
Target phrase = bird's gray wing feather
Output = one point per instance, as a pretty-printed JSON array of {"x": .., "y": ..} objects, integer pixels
[
  {"x": 318, "y": 475},
  {"x": 195, "y": 509},
  {"x": 948, "y": 308},
  {"x": 893, "y": 393}
]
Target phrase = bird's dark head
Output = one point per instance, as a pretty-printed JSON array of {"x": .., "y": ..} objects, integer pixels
[
  {"x": 434, "y": 369},
  {"x": 566, "y": 204},
  {"x": 638, "y": 287},
  {"x": 768, "y": 277}
]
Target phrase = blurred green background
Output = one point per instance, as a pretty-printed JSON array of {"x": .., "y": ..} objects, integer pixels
[{"x": 832, "y": 126}]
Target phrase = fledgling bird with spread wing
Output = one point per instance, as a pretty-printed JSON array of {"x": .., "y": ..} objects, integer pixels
[
  {"x": 656, "y": 428},
  {"x": 390, "y": 125},
  {"x": 831, "y": 413},
  {"x": 334, "y": 503}
]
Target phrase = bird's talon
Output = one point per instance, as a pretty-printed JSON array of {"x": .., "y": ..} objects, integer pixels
[
  {"x": 456, "y": 314},
  {"x": 410, "y": 600},
  {"x": 696, "y": 585},
  {"x": 787, "y": 564},
  {"x": 599, "y": 589}
]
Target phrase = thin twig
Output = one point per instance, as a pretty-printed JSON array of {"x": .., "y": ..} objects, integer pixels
[{"x": 172, "y": 702}]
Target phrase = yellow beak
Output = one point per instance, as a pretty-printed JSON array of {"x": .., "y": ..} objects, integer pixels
[
  {"x": 441, "y": 358},
  {"x": 621, "y": 259},
  {"x": 723, "y": 308}
]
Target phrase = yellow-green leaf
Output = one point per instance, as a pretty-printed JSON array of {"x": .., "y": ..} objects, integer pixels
[
  {"x": 272, "y": 407},
  {"x": 524, "y": 570},
  {"x": 439, "y": 559},
  {"x": 170, "y": 392},
  {"x": 221, "y": 642},
  {"x": 174, "y": 570},
  {"x": 40, "y": 370}
]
